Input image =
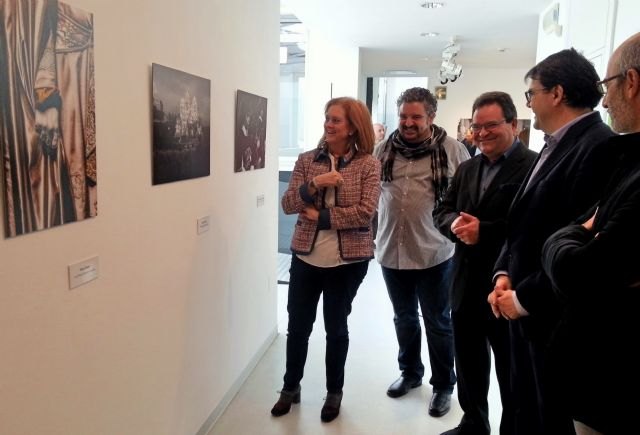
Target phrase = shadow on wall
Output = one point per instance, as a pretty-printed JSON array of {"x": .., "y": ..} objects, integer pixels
[{"x": 285, "y": 222}]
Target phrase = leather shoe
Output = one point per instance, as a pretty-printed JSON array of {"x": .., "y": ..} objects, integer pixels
[
  {"x": 440, "y": 404},
  {"x": 402, "y": 385},
  {"x": 283, "y": 405},
  {"x": 331, "y": 407}
]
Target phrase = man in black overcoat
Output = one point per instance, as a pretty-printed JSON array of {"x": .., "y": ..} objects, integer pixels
[{"x": 568, "y": 177}]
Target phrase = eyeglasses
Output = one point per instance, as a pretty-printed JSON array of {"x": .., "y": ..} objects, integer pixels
[
  {"x": 477, "y": 128},
  {"x": 531, "y": 92},
  {"x": 603, "y": 84}
]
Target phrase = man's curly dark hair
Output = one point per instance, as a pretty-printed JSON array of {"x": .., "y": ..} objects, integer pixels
[{"x": 419, "y": 95}]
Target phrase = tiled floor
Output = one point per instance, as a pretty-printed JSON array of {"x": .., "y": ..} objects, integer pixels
[{"x": 371, "y": 367}]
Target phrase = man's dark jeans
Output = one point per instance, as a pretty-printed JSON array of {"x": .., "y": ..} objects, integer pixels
[{"x": 430, "y": 288}]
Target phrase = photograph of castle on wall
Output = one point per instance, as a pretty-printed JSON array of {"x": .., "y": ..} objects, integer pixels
[
  {"x": 181, "y": 125},
  {"x": 47, "y": 115},
  {"x": 251, "y": 131}
]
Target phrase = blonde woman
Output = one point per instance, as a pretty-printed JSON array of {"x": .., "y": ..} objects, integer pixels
[{"x": 334, "y": 190}]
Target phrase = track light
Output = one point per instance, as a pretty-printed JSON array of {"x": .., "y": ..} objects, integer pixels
[{"x": 449, "y": 69}]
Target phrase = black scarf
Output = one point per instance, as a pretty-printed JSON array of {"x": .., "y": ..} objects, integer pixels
[{"x": 433, "y": 146}]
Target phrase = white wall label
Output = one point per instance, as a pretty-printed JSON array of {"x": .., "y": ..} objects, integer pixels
[
  {"x": 203, "y": 224},
  {"x": 83, "y": 272}
]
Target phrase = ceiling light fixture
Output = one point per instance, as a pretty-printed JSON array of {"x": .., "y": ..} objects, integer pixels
[
  {"x": 432, "y": 5},
  {"x": 429, "y": 34},
  {"x": 400, "y": 72},
  {"x": 449, "y": 69}
]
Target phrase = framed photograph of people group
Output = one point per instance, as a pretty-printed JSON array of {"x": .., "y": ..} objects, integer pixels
[{"x": 251, "y": 131}]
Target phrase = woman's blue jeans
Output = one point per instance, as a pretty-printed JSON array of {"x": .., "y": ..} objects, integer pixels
[{"x": 338, "y": 286}]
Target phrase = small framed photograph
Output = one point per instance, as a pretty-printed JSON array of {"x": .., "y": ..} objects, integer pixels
[
  {"x": 181, "y": 125},
  {"x": 251, "y": 131},
  {"x": 441, "y": 92}
]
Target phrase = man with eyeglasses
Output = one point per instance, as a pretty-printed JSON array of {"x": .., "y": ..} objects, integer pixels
[
  {"x": 567, "y": 178},
  {"x": 473, "y": 215},
  {"x": 591, "y": 267},
  {"x": 418, "y": 160}
]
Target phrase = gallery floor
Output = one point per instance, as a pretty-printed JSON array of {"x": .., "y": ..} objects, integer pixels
[{"x": 371, "y": 367}]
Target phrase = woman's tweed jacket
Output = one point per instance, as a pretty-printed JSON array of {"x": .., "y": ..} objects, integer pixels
[{"x": 355, "y": 204}]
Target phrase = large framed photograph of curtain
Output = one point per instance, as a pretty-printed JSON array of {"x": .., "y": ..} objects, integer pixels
[{"x": 47, "y": 115}]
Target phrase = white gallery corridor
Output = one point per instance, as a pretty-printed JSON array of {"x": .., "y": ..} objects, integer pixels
[{"x": 371, "y": 368}]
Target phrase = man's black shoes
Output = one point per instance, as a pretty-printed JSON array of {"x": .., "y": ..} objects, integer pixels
[
  {"x": 402, "y": 385},
  {"x": 465, "y": 430},
  {"x": 440, "y": 404},
  {"x": 454, "y": 431}
]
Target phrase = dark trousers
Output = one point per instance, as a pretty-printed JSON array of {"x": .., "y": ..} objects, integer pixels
[
  {"x": 538, "y": 387},
  {"x": 338, "y": 286},
  {"x": 476, "y": 331},
  {"x": 430, "y": 288}
]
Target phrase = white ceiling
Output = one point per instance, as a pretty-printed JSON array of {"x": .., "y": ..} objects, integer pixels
[{"x": 390, "y": 30}]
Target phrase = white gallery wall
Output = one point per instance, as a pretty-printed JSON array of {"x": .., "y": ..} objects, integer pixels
[
  {"x": 462, "y": 92},
  {"x": 159, "y": 342},
  {"x": 626, "y": 23},
  {"x": 331, "y": 70},
  {"x": 472, "y": 83},
  {"x": 593, "y": 27}
]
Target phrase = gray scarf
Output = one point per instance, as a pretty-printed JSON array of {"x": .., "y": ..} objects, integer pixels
[{"x": 433, "y": 146}]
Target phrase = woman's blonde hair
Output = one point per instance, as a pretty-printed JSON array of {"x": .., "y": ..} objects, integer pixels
[{"x": 359, "y": 117}]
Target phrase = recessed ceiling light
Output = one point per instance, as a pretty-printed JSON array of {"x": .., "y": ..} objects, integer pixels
[
  {"x": 432, "y": 5},
  {"x": 400, "y": 72},
  {"x": 429, "y": 34}
]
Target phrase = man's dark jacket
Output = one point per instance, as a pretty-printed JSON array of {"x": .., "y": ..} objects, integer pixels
[
  {"x": 567, "y": 184},
  {"x": 473, "y": 264}
]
